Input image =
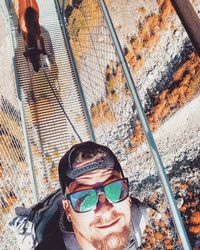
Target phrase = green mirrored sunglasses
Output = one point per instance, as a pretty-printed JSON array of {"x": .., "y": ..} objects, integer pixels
[{"x": 86, "y": 200}]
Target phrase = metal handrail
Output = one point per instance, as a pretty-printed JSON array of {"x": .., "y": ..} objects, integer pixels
[
  {"x": 27, "y": 143},
  {"x": 29, "y": 158}
]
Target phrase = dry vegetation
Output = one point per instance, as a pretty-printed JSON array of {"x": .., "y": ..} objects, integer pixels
[
  {"x": 54, "y": 169},
  {"x": 8, "y": 200},
  {"x": 114, "y": 82},
  {"x": 186, "y": 84},
  {"x": 101, "y": 113},
  {"x": 54, "y": 173},
  {"x": 159, "y": 234},
  {"x": 11, "y": 141},
  {"x": 148, "y": 35},
  {"x": 80, "y": 24}
]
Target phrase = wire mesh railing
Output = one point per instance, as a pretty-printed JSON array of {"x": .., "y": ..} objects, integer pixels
[
  {"x": 104, "y": 85},
  {"x": 15, "y": 188}
]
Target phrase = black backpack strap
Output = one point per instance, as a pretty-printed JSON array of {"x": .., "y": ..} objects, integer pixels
[
  {"x": 43, "y": 203},
  {"x": 46, "y": 214}
]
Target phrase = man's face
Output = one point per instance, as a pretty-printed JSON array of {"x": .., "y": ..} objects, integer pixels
[{"x": 108, "y": 225}]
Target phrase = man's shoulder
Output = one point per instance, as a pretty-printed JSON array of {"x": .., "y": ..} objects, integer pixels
[
  {"x": 139, "y": 206},
  {"x": 139, "y": 214},
  {"x": 139, "y": 219},
  {"x": 53, "y": 241}
]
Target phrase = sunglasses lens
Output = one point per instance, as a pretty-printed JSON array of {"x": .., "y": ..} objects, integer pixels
[
  {"x": 84, "y": 200},
  {"x": 117, "y": 191}
]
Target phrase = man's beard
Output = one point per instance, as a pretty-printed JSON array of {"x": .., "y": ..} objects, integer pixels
[{"x": 113, "y": 241}]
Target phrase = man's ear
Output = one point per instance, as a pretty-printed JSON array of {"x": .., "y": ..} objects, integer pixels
[
  {"x": 65, "y": 204},
  {"x": 66, "y": 207}
]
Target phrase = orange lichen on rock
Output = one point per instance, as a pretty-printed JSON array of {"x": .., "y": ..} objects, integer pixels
[
  {"x": 148, "y": 36},
  {"x": 138, "y": 137},
  {"x": 194, "y": 229},
  {"x": 174, "y": 26},
  {"x": 139, "y": 63},
  {"x": 195, "y": 218},
  {"x": 131, "y": 59},
  {"x": 144, "y": 30},
  {"x": 12, "y": 200},
  {"x": 183, "y": 186},
  {"x": 191, "y": 65},
  {"x": 159, "y": 236},
  {"x": 48, "y": 158},
  {"x": 168, "y": 245},
  {"x": 36, "y": 150},
  {"x": 153, "y": 22},
  {"x": 45, "y": 180},
  {"x": 166, "y": 10},
  {"x": 114, "y": 80}
]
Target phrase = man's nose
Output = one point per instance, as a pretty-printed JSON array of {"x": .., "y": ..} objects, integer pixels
[{"x": 103, "y": 202}]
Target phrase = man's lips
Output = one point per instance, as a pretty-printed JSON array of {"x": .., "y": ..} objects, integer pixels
[{"x": 108, "y": 225}]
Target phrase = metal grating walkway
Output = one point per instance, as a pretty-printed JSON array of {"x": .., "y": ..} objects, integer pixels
[{"x": 49, "y": 132}]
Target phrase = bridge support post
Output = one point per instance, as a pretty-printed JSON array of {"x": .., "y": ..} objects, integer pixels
[{"x": 190, "y": 21}]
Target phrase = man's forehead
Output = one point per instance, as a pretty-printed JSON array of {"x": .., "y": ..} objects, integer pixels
[{"x": 94, "y": 177}]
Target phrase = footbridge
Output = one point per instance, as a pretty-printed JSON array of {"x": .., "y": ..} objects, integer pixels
[{"x": 54, "y": 116}]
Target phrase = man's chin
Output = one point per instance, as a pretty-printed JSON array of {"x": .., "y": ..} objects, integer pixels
[{"x": 113, "y": 240}]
